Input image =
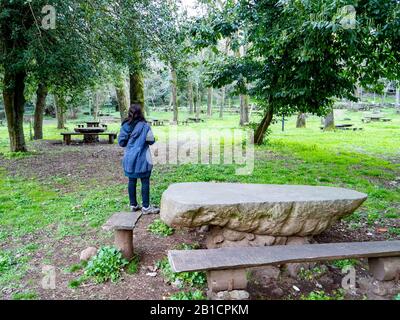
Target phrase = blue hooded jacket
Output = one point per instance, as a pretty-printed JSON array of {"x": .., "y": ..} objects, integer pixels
[{"x": 136, "y": 138}]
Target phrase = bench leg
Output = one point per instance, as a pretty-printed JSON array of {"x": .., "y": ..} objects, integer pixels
[
  {"x": 124, "y": 242},
  {"x": 67, "y": 139},
  {"x": 384, "y": 269},
  {"x": 111, "y": 138},
  {"x": 227, "y": 280}
]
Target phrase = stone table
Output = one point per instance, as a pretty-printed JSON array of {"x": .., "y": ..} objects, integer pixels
[{"x": 257, "y": 214}]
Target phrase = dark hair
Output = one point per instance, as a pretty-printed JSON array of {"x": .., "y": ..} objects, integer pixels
[{"x": 135, "y": 113}]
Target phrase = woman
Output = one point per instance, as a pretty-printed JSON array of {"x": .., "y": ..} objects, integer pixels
[{"x": 136, "y": 136}]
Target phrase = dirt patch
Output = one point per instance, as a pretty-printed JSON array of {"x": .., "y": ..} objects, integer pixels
[{"x": 65, "y": 166}]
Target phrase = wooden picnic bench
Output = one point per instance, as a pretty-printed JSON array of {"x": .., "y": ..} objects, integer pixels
[
  {"x": 195, "y": 120},
  {"x": 346, "y": 128},
  {"x": 226, "y": 267},
  {"x": 68, "y": 136}
]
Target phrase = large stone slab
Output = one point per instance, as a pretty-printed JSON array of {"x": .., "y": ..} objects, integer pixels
[{"x": 275, "y": 210}]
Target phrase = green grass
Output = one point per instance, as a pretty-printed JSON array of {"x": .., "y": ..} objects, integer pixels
[
  {"x": 321, "y": 295},
  {"x": 191, "y": 279},
  {"x": 191, "y": 295},
  {"x": 25, "y": 296},
  {"x": 345, "y": 263},
  {"x": 159, "y": 228},
  {"x": 133, "y": 265},
  {"x": 361, "y": 160}
]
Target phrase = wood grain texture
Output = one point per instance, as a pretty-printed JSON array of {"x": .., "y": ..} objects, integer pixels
[{"x": 233, "y": 258}]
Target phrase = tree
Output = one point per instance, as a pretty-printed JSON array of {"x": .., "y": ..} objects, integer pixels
[
  {"x": 41, "y": 95},
  {"x": 62, "y": 57},
  {"x": 311, "y": 56}
]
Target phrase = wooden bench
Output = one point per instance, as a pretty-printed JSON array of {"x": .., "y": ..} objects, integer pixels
[
  {"x": 68, "y": 136},
  {"x": 346, "y": 128},
  {"x": 226, "y": 267},
  {"x": 123, "y": 223},
  {"x": 195, "y": 120}
]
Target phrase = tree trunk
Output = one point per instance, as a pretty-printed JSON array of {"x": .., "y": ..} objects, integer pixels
[
  {"x": 198, "y": 100},
  {"x": 398, "y": 96},
  {"x": 329, "y": 122},
  {"x": 136, "y": 81},
  {"x": 14, "y": 102},
  {"x": 209, "y": 101},
  {"x": 246, "y": 109},
  {"x": 74, "y": 112},
  {"x": 301, "y": 120},
  {"x": 60, "y": 110},
  {"x": 96, "y": 107},
  {"x": 122, "y": 98},
  {"x": 222, "y": 106},
  {"x": 263, "y": 127},
  {"x": 242, "y": 112},
  {"x": 174, "y": 87},
  {"x": 41, "y": 94},
  {"x": 190, "y": 97}
]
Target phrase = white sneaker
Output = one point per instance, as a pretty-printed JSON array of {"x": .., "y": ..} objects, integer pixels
[
  {"x": 150, "y": 210},
  {"x": 135, "y": 208}
]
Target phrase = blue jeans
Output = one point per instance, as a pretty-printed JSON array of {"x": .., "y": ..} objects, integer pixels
[{"x": 145, "y": 191}]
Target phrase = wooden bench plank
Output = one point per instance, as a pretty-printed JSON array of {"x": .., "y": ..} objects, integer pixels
[
  {"x": 245, "y": 257},
  {"x": 122, "y": 221},
  {"x": 89, "y": 133}
]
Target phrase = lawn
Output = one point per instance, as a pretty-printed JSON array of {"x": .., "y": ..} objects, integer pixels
[{"x": 54, "y": 200}]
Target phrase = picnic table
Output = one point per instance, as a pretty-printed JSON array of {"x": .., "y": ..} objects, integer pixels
[
  {"x": 196, "y": 120},
  {"x": 156, "y": 122},
  {"x": 255, "y": 225},
  {"x": 90, "y": 133}
]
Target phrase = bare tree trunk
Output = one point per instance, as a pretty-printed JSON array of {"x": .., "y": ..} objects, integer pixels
[
  {"x": 60, "y": 110},
  {"x": 136, "y": 81},
  {"x": 41, "y": 95},
  {"x": 74, "y": 112},
  {"x": 242, "y": 112},
  {"x": 301, "y": 120},
  {"x": 209, "y": 101},
  {"x": 246, "y": 109},
  {"x": 329, "y": 122},
  {"x": 198, "y": 105},
  {"x": 263, "y": 127},
  {"x": 14, "y": 103},
  {"x": 190, "y": 97},
  {"x": 174, "y": 86},
  {"x": 96, "y": 107},
  {"x": 398, "y": 96},
  {"x": 222, "y": 106},
  {"x": 122, "y": 98}
]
